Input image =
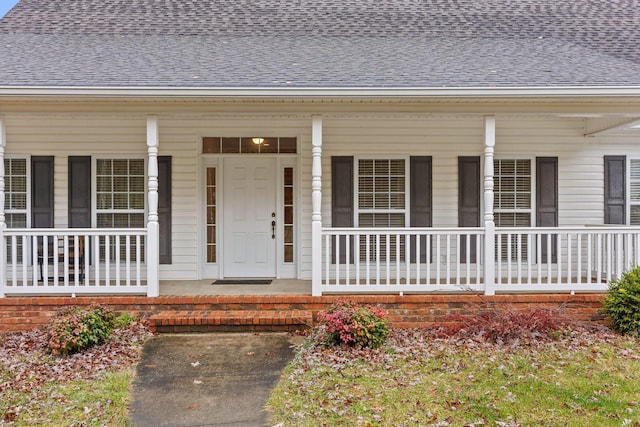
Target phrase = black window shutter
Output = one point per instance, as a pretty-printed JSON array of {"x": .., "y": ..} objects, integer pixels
[
  {"x": 342, "y": 201},
  {"x": 164, "y": 207},
  {"x": 547, "y": 201},
  {"x": 42, "y": 191},
  {"x": 79, "y": 197},
  {"x": 615, "y": 199},
  {"x": 420, "y": 200},
  {"x": 468, "y": 202}
]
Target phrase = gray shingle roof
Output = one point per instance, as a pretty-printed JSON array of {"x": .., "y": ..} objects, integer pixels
[{"x": 321, "y": 43}]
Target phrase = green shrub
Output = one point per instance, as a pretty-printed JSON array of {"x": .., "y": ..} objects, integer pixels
[
  {"x": 123, "y": 319},
  {"x": 622, "y": 303},
  {"x": 349, "y": 324},
  {"x": 75, "y": 329}
]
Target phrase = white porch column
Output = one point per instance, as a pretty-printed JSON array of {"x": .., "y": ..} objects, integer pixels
[
  {"x": 3, "y": 224},
  {"x": 489, "y": 224},
  {"x": 153, "y": 227},
  {"x": 316, "y": 202}
]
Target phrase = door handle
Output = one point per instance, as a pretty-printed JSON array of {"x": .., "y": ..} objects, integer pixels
[{"x": 273, "y": 229}]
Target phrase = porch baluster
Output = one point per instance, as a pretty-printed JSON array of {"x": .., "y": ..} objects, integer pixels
[
  {"x": 327, "y": 259},
  {"x": 559, "y": 258},
  {"x": 418, "y": 260},
  {"x": 387, "y": 249},
  {"x": 368, "y": 259},
  {"x": 467, "y": 243},
  {"x": 347, "y": 257},
  {"x": 138, "y": 259},
  {"x": 579, "y": 255},
  {"x": 448, "y": 258},
  {"x": 337, "y": 259},
  {"x": 509, "y": 259},
  {"x": 539, "y": 256},
  {"x": 127, "y": 260},
  {"x": 356, "y": 256},
  {"x": 519, "y": 257},
  {"x": 377, "y": 237},
  {"x": 96, "y": 259},
  {"x": 14, "y": 259},
  {"x": 548, "y": 258},
  {"x": 478, "y": 258},
  {"x": 398, "y": 267},
  {"x": 569, "y": 260},
  {"x": 25, "y": 248},
  {"x": 609, "y": 257},
  {"x": 34, "y": 265},
  {"x": 116, "y": 257}
]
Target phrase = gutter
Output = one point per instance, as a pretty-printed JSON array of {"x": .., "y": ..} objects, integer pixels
[{"x": 288, "y": 92}]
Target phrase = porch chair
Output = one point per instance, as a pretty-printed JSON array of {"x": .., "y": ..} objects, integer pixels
[{"x": 56, "y": 249}]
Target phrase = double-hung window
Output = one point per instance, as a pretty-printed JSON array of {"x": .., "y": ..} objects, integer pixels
[
  {"x": 634, "y": 192},
  {"x": 16, "y": 178},
  {"x": 513, "y": 206},
  {"x": 15, "y": 202},
  {"x": 120, "y": 193},
  {"x": 120, "y": 197},
  {"x": 381, "y": 202}
]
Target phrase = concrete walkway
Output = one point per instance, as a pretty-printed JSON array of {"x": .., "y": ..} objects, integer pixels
[{"x": 208, "y": 379}]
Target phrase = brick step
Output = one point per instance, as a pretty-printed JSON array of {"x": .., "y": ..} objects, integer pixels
[{"x": 231, "y": 320}]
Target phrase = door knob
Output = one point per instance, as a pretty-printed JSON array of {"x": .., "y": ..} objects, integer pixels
[{"x": 273, "y": 229}]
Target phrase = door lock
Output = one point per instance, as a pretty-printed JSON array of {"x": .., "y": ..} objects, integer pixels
[{"x": 273, "y": 229}]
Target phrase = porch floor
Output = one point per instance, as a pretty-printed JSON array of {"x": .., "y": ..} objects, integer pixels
[{"x": 205, "y": 287}]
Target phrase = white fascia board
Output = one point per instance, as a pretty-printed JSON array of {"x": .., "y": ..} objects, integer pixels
[{"x": 448, "y": 92}]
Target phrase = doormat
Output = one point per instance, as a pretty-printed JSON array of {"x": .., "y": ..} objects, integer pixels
[{"x": 242, "y": 282}]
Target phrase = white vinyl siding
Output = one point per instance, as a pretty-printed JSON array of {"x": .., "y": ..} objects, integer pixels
[{"x": 91, "y": 132}]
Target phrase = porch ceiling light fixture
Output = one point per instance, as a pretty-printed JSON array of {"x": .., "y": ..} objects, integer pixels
[{"x": 257, "y": 141}]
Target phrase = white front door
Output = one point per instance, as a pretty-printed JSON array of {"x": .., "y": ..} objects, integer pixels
[{"x": 249, "y": 209}]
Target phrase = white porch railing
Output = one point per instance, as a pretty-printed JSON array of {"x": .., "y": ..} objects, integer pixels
[
  {"x": 402, "y": 259},
  {"x": 73, "y": 261},
  {"x": 555, "y": 259},
  {"x": 564, "y": 258}
]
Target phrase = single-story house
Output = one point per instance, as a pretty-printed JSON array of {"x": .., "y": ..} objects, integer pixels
[{"x": 366, "y": 146}]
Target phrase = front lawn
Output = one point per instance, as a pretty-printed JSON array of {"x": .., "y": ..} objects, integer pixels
[
  {"x": 583, "y": 376},
  {"x": 89, "y": 388}
]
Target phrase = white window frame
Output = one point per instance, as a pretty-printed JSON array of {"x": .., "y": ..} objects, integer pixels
[
  {"x": 356, "y": 174},
  {"x": 26, "y": 211},
  {"x": 94, "y": 194},
  {"x": 628, "y": 200},
  {"x": 357, "y": 210},
  {"x": 496, "y": 190}
]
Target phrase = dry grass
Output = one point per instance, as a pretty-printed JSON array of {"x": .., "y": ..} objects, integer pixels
[{"x": 583, "y": 376}]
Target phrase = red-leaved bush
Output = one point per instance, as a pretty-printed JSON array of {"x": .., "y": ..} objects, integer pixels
[
  {"x": 74, "y": 329},
  {"x": 347, "y": 323},
  {"x": 507, "y": 325}
]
